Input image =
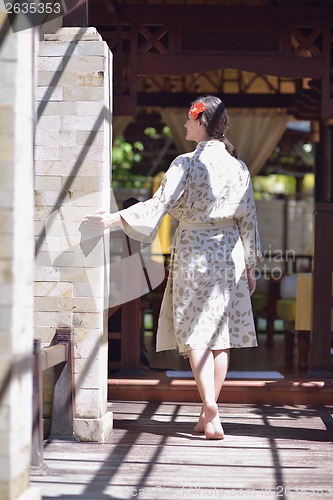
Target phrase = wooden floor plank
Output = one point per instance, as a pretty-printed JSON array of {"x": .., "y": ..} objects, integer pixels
[{"x": 268, "y": 452}]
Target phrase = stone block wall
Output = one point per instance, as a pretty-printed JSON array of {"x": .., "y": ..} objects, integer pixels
[
  {"x": 73, "y": 167},
  {"x": 16, "y": 261}
]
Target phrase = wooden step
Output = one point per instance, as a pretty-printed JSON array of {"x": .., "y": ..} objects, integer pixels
[{"x": 289, "y": 391}]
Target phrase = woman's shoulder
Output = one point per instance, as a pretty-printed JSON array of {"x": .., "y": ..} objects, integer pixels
[
  {"x": 243, "y": 170},
  {"x": 243, "y": 165},
  {"x": 184, "y": 156},
  {"x": 182, "y": 159}
]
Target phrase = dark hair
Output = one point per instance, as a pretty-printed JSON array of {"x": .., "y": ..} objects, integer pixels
[{"x": 216, "y": 120}]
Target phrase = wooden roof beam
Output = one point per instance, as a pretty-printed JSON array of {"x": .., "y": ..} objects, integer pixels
[
  {"x": 222, "y": 16},
  {"x": 182, "y": 99},
  {"x": 179, "y": 64}
]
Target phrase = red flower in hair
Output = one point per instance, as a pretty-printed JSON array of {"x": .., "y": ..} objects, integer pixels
[{"x": 198, "y": 107}]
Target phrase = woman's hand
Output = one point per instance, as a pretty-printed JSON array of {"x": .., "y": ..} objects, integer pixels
[
  {"x": 251, "y": 279},
  {"x": 102, "y": 220}
]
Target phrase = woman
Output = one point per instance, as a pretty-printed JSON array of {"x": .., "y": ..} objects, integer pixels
[{"x": 206, "y": 308}]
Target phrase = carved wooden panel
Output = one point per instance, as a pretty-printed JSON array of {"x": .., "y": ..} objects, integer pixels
[
  {"x": 165, "y": 47},
  {"x": 327, "y": 80}
]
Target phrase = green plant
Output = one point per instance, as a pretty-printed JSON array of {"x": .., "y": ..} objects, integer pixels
[
  {"x": 273, "y": 185},
  {"x": 124, "y": 155}
]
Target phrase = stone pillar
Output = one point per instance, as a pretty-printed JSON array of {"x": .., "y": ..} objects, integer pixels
[
  {"x": 16, "y": 260},
  {"x": 72, "y": 167}
]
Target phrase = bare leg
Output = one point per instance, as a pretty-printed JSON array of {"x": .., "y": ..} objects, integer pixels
[
  {"x": 221, "y": 363},
  {"x": 202, "y": 364}
]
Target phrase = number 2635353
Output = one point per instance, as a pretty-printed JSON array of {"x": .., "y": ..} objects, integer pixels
[{"x": 33, "y": 8}]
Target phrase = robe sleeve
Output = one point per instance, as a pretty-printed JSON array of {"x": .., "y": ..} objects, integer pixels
[
  {"x": 141, "y": 221},
  {"x": 248, "y": 228}
]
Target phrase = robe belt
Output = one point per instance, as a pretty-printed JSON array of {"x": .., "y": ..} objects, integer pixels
[{"x": 222, "y": 224}]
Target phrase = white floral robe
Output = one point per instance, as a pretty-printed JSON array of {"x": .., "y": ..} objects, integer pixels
[{"x": 206, "y": 303}]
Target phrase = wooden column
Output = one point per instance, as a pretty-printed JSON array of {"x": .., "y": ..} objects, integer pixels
[
  {"x": 130, "y": 314},
  {"x": 323, "y": 257},
  {"x": 76, "y": 15}
]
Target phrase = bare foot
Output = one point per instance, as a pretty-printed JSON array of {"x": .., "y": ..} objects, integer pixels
[
  {"x": 212, "y": 426},
  {"x": 200, "y": 425}
]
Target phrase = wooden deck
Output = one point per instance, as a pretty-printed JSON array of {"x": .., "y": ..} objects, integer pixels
[{"x": 269, "y": 452}]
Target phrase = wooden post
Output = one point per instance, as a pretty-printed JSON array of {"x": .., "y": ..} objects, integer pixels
[
  {"x": 130, "y": 316},
  {"x": 320, "y": 359},
  {"x": 37, "y": 448},
  {"x": 77, "y": 15},
  {"x": 303, "y": 341},
  {"x": 62, "y": 408}
]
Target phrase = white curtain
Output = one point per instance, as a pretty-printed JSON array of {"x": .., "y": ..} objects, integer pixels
[{"x": 254, "y": 133}]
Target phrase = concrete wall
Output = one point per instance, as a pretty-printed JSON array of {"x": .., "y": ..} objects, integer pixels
[
  {"x": 16, "y": 260},
  {"x": 73, "y": 166}
]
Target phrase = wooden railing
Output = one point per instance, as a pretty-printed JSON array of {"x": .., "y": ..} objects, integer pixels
[{"x": 57, "y": 356}]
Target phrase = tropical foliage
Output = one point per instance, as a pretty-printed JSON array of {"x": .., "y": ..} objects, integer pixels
[{"x": 125, "y": 155}]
